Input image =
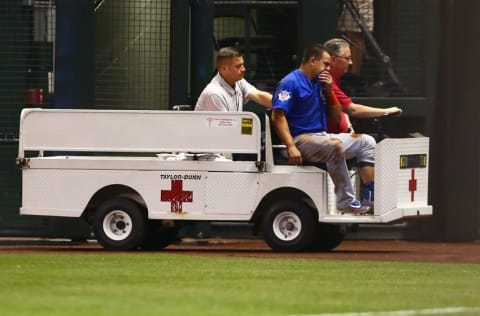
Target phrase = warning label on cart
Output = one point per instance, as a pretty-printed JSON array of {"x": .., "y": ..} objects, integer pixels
[
  {"x": 247, "y": 126},
  {"x": 182, "y": 192}
]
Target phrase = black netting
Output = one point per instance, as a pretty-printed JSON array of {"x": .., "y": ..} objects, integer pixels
[
  {"x": 386, "y": 38},
  {"x": 266, "y": 34},
  {"x": 27, "y": 34},
  {"x": 132, "y": 54}
]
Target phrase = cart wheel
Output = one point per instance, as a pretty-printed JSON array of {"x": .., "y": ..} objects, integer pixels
[
  {"x": 327, "y": 237},
  {"x": 288, "y": 226},
  {"x": 119, "y": 224}
]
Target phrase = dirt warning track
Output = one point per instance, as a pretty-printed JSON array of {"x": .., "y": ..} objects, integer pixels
[{"x": 378, "y": 250}]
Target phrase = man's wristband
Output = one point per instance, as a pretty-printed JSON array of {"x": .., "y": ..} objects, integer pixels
[{"x": 332, "y": 99}]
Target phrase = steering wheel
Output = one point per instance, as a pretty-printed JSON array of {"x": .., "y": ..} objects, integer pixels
[{"x": 378, "y": 123}]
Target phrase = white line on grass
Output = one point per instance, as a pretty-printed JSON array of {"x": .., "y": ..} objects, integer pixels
[{"x": 413, "y": 312}]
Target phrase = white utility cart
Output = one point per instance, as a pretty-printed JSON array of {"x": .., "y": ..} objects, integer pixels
[{"x": 136, "y": 175}]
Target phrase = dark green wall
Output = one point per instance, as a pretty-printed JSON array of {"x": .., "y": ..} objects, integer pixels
[
  {"x": 316, "y": 22},
  {"x": 455, "y": 145}
]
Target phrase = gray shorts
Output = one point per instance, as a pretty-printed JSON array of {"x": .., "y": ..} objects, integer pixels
[{"x": 334, "y": 150}]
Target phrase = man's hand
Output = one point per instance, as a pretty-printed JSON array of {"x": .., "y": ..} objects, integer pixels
[
  {"x": 393, "y": 111},
  {"x": 326, "y": 79},
  {"x": 283, "y": 131},
  {"x": 294, "y": 155}
]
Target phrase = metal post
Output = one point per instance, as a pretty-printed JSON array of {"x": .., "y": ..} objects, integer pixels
[
  {"x": 75, "y": 54},
  {"x": 202, "y": 46},
  {"x": 179, "y": 52}
]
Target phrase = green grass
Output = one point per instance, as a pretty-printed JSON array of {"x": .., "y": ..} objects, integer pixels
[{"x": 167, "y": 284}]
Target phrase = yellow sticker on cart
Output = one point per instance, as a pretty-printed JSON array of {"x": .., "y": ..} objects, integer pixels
[
  {"x": 247, "y": 126},
  {"x": 413, "y": 161}
]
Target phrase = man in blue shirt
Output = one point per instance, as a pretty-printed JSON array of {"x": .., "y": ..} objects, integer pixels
[{"x": 300, "y": 106}]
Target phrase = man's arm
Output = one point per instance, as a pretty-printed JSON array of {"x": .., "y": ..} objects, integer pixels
[
  {"x": 283, "y": 131},
  {"x": 364, "y": 111},
  {"x": 334, "y": 108},
  {"x": 261, "y": 97},
  {"x": 359, "y": 110}
]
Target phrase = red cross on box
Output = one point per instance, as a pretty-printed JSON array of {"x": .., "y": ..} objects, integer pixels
[
  {"x": 412, "y": 186},
  {"x": 176, "y": 196}
]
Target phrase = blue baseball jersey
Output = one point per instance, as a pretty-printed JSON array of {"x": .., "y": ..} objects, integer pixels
[{"x": 301, "y": 99}]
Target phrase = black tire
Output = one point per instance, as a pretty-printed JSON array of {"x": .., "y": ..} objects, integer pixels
[
  {"x": 327, "y": 237},
  {"x": 288, "y": 226},
  {"x": 159, "y": 236},
  {"x": 119, "y": 224}
]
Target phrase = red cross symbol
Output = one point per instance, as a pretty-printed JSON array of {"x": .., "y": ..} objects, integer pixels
[
  {"x": 176, "y": 196},
  {"x": 412, "y": 186},
  {"x": 210, "y": 120}
]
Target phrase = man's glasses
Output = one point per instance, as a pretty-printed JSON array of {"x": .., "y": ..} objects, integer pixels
[{"x": 346, "y": 58}]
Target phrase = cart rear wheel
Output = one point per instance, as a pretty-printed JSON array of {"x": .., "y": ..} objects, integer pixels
[
  {"x": 327, "y": 237},
  {"x": 119, "y": 224},
  {"x": 288, "y": 226},
  {"x": 159, "y": 236}
]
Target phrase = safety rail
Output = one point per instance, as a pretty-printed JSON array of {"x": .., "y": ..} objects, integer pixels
[{"x": 136, "y": 131}]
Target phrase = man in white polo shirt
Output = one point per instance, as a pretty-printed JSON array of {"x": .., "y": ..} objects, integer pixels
[{"x": 228, "y": 90}]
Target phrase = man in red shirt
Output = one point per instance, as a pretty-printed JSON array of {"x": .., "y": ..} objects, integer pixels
[{"x": 341, "y": 61}]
